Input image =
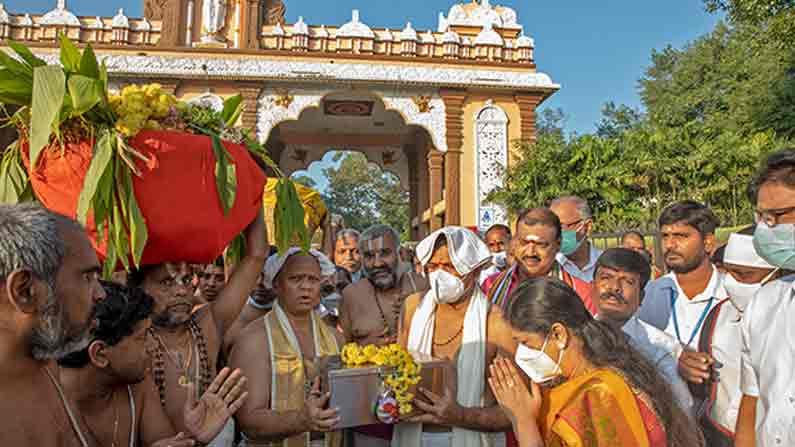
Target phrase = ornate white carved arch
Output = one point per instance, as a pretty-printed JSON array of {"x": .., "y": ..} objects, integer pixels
[
  {"x": 491, "y": 147},
  {"x": 390, "y": 159},
  {"x": 276, "y": 105}
]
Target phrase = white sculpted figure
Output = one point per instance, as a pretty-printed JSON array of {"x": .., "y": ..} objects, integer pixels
[{"x": 213, "y": 18}]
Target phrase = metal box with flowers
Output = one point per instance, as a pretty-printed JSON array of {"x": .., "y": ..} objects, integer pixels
[{"x": 372, "y": 385}]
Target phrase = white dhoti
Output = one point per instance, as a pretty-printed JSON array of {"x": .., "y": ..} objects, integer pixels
[{"x": 227, "y": 436}]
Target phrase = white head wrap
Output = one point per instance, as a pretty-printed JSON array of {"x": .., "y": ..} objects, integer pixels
[
  {"x": 740, "y": 251},
  {"x": 276, "y": 262},
  {"x": 467, "y": 250}
]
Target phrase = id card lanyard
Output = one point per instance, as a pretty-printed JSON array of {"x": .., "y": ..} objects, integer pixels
[{"x": 701, "y": 319}]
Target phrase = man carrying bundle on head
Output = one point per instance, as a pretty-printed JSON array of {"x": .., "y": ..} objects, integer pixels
[
  {"x": 187, "y": 344},
  {"x": 455, "y": 321},
  {"x": 277, "y": 353}
]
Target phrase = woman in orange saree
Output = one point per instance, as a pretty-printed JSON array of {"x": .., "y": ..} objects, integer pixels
[{"x": 587, "y": 387}]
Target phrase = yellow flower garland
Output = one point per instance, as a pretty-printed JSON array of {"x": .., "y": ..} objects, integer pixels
[{"x": 406, "y": 375}]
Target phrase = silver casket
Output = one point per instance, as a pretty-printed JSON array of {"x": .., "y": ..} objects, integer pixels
[{"x": 355, "y": 391}]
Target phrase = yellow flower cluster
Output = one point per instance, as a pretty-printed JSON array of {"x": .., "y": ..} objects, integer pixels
[
  {"x": 406, "y": 370},
  {"x": 141, "y": 107}
]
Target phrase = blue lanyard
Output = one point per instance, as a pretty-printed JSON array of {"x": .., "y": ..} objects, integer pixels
[{"x": 700, "y": 322}]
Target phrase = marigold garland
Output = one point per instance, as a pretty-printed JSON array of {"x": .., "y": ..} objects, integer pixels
[{"x": 406, "y": 370}]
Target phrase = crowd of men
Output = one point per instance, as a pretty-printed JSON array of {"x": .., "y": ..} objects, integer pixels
[{"x": 177, "y": 354}]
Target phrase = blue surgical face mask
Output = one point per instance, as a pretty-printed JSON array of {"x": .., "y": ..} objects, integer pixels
[
  {"x": 776, "y": 245},
  {"x": 569, "y": 243}
]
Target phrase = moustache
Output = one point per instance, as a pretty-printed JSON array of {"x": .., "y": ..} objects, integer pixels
[
  {"x": 177, "y": 304},
  {"x": 616, "y": 296},
  {"x": 376, "y": 271},
  {"x": 672, "y": 252},
  {"x": 531, "y": 258}
]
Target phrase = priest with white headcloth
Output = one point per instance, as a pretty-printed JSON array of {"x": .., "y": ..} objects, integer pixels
[
  {"x": 455, "y": 321},
  {"x": 279, "y": 353}
]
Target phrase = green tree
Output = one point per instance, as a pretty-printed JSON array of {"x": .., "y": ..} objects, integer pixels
[
  {"x": 775, "y": 18},
  {"x": 711, "y": 110},
  {"x": 365, "y": 195}
]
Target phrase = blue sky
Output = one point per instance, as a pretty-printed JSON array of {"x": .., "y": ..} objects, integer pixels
[{"x": 596, "y": 50}]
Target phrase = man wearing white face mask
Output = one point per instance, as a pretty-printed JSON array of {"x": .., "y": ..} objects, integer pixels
[
  {"x": 767, "y": 410},
  {"x": 454, "y": 320},
  {"x": 721, "y": 339}
]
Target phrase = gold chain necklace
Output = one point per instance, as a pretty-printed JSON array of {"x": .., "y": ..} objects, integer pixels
[{"x": 184, "y": 378}]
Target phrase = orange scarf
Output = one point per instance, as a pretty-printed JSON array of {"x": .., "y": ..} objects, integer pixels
[{"x": 597, "y": 409}]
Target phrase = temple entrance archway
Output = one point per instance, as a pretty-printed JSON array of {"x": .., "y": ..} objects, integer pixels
[{"x": 300, "y": 128}]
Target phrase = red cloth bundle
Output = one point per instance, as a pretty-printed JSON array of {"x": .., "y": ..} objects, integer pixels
[{"x": 176, "y": 194}]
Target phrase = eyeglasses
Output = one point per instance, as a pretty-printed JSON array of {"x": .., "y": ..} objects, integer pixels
[{"x": 773, "y": 217}]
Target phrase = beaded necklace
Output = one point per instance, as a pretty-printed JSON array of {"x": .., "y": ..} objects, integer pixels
[{"x": 203, "y": 372}]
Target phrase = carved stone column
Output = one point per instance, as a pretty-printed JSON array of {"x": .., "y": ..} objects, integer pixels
[
  {"x": 174, "y": 23},
  {"x": 527, "y": 110},
  {"x": 251, "y": 24},
  {"x": 414, "y": 187},
  {"x": 250, "y": 94},
  {"x": 435, "y": 172},
  {"x": 454, "y": 120}
]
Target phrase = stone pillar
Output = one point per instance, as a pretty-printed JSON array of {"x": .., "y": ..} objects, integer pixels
[
  {"x": 435, "y": 173},
  {"x": 454, "y": 120},
  {"x": 527, "y": 110},
  {"x": 452, "y": 200},
  {"x": 173, "y": 15},
  {"x": 251, "y": 25},
  {"x": 250, "y": 94},
  {"x": 410, "y": 152}
]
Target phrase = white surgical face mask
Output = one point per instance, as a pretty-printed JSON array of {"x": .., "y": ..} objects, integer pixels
[
  {"x": 500, "y": 260},
  {"x": 445, "y": 287},
  {"x": 740, "y": 291},
  {"x": 743, "y": 292},
  {"x": 538, "y": 366}
]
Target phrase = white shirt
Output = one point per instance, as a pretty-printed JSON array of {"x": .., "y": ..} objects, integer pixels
[
  {"x": 768, "y": 357},
  {"x": 726, "y": 343},
  {"x": 689, "y": 315},
  {"x": 660, "y": 349},
  {"x": 587, "y": 272}
]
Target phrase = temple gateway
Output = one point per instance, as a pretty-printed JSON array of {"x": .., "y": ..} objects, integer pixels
[{"x": 438, "y": 108}]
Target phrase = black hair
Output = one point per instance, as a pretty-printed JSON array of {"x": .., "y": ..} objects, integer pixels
[
  {"x": 692, "y": 213},
  {"x": 136, "y": 277},
  {"x": 540, "y": 216},
  {"x": 539, "y": 303},
  {"x": 717, "y": 255},
  {"x": 498, "y": 227},
  {"x": 626, "y": 260},
  {"x": 778, "y": 167},
  {"x": 636, "y": 233},
  {"x": 117, "y": 315},
  {"x": 219, "y": 262}
]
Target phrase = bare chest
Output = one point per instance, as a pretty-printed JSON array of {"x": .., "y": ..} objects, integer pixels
[
  {"x": 23, "y": 412},
  {"x": 377, "y": 313},
  {"x": 113, "y": 425},
  {"x": 180, "y": 362}
]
